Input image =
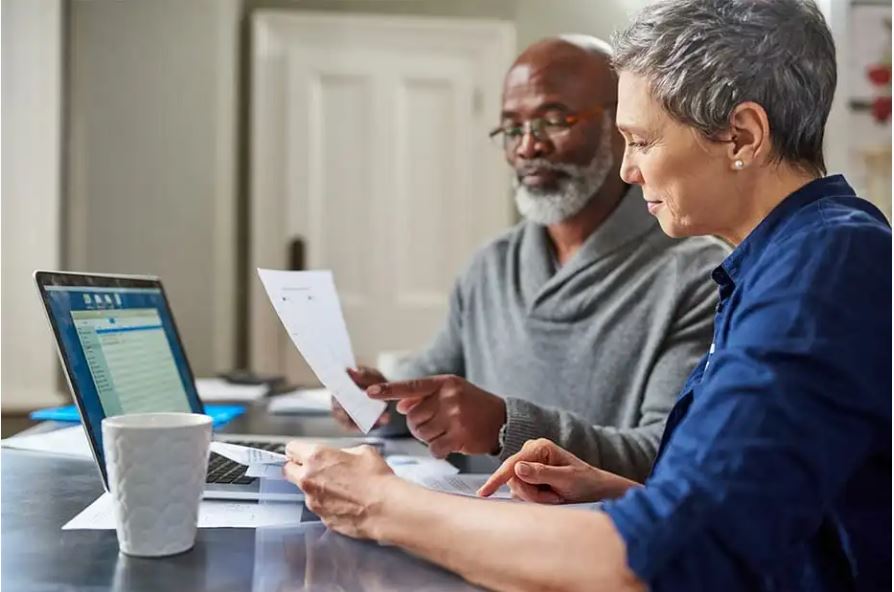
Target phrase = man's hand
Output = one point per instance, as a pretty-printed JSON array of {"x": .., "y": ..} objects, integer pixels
[
  {"x": 362, "y": 377},
  {"x": 447, "y": 413},
  {"x": 342, "y": 487},
  {"x": 545, "y": 473}
]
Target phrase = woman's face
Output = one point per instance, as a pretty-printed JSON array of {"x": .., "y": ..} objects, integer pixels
[{"x": 686, "y": 179}]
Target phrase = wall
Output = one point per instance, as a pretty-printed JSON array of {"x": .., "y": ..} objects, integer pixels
[
  {"x": 31, "y": 50},
  {"x": 156, "y": 181},
  {"x": 152, "y": 156},
  {"x": 158, "y": 111},
  {"x": 534, "y": 19}
]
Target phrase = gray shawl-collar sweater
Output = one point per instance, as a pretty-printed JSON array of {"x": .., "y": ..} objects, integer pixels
[{"x": 590, "y": 355}]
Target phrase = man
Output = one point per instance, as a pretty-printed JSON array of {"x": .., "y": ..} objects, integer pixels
[{"x": 585, "y": 317}]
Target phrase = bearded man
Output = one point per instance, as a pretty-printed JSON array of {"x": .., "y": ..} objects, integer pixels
[{"x": 585, "y": 317}]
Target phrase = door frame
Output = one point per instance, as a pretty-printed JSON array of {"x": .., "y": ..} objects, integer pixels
[{"x": 273, "y": 32}]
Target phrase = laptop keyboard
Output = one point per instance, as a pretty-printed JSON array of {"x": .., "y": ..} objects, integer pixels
[{"x": 223, "y": 470}]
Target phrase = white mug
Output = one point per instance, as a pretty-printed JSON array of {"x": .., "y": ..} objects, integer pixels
[{"x": 156, "y": 465}]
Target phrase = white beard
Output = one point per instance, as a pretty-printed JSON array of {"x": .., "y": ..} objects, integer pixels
[{"x": 574, "y": 192}]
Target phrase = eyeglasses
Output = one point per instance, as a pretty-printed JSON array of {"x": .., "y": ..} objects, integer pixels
[{"x": 550, "y": 127}]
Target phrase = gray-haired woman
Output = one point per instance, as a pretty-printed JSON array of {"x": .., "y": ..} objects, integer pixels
[{"x": 775, "y": 468}]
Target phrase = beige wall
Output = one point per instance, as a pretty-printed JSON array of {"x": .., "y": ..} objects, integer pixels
[
  {"x": 534, "y": 19},
  {"x": 153, "y": 173},
  {"x": 152, "y": 156},
  {"x": 30, "y": 215}
]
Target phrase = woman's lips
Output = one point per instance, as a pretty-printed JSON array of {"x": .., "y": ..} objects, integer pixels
[{"x": 654, "y": 206}]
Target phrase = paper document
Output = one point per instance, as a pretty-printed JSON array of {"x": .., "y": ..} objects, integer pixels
[
  {"x": 301, "y": 401},
  {"x": 218, "y": 389},
  {"x": 265, "y": 471},
  {"x": 465, "y": 484},
  {"x": 416, "y": 468},
  {"x": 247, "y": 456},
  {"x": 309, "y": 309},
  {"x": 100, "y": 515},
  {"x": 411, "y": 468},
  {"x": 66, "y": 441}
]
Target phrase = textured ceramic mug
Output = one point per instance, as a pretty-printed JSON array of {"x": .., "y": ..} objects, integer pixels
[{"x": 156, "y": 464}]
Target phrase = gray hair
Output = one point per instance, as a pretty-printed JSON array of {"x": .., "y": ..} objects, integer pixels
[{"x": 702, "y": 58}]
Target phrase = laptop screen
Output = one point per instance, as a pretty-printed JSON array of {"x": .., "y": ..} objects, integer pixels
[{"x": 121, "y": 349}]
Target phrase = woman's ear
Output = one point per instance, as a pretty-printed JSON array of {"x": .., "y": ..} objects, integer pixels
[{"x": 749, "y": 135}]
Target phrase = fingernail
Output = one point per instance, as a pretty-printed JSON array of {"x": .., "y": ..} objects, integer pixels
[
  {"x": 523, "y": 469},
  {"x": 374, "y": 390}
]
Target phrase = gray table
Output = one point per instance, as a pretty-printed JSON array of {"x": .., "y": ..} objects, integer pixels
[{"x": 42, "y": 492}]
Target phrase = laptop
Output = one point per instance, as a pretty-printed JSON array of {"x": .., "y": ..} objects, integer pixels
[{"x": 122, "y": 354}]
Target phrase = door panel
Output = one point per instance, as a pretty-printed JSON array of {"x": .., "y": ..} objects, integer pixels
[{"x": 369, "y": 141}]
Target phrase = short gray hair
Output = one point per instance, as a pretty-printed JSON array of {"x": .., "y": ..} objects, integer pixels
[{"x": 702, "y": 58}]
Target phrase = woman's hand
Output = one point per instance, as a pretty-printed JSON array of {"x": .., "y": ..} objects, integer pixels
[
  {"x": 345, "y": 488},
  {"x": 545, "y": 473}
]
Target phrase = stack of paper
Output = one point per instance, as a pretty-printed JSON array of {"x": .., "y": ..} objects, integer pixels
[
  {"x": 308, "y": 306},
  {"x": 218, "y": 389},
  {"x": 100, "y": 515},
  {"x": 301, "y": 401},
  {"x": 66, "y": 441}
]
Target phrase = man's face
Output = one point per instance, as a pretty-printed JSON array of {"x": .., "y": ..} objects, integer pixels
[{"x": 557, "y": 171}]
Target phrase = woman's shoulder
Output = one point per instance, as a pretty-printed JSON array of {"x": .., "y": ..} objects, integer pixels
[{"x": 836, "y": 219}]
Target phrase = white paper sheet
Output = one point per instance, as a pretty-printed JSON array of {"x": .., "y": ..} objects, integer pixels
[
  {"x": 218, "y": 389},
  {"x": 265, "y": 471},
  {"x": 245, "y": 455},
  {"x": 466, "y": 484},
  {"x": 411, "y": 468},
  {"x": 66, "y": 441},
  {"x": 416, "y": 468},
  {"x": 301, "y": 401},
  {"x": 308, "y": 307},
  {"x": 100, "y": 515}
]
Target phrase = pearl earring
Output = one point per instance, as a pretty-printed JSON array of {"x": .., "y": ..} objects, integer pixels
[{"x": 738, "y": 165}]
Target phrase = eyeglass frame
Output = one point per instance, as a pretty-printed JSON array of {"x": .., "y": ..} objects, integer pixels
[{"x": 528, "y": 126}]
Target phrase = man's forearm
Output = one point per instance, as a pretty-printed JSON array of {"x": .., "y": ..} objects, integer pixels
[{"x": 504, "y": 546}]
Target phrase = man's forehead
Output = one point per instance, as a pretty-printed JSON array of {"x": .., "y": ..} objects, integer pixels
[{"x": 530, "y": 83}]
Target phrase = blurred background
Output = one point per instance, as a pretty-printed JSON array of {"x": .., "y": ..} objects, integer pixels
[{"x": 200, "y": 139}]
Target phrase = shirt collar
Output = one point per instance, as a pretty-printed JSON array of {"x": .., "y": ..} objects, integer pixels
[
  {"x": 755, "y": 243},
  {"x": 629, "y": 220}
]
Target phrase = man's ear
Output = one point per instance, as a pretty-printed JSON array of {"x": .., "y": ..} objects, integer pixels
[{"x": 748, "y": 136}]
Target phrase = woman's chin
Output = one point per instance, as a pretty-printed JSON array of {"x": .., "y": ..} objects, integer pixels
[{"x": 674, "y": 229}]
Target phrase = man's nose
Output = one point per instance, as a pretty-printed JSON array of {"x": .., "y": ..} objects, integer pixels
[{"x": 530, "y": 146}]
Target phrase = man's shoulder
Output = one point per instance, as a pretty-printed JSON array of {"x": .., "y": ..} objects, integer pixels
[
  {"x": 493, "y": 254},
  {"x": 693, "y": 256},
  {"x": 705, "y": 250}
]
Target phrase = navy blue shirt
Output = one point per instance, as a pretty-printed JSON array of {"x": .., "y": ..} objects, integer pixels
[{"x": 774, "y": 472}]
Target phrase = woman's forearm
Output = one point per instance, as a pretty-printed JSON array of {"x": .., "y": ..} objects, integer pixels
[{"x": 502, "y": 545}]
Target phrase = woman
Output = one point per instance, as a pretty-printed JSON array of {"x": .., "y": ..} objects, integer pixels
[{"x": 775, "y": 467}]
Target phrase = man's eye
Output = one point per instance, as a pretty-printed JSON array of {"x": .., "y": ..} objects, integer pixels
[
  {"x": 555, "y": 121},
  {"x": 512, "y": 131}
]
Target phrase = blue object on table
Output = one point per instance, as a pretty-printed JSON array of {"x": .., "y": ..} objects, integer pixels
[{"x": 220, "y": 414}]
